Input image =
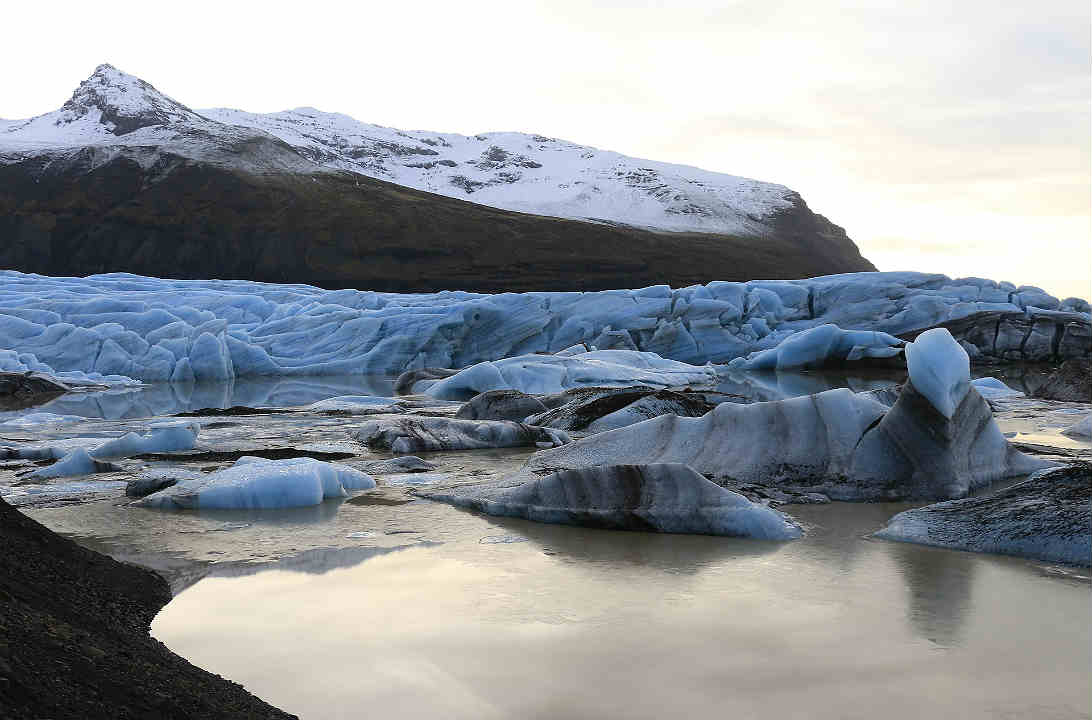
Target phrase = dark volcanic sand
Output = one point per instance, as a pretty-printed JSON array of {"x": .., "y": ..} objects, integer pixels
[{"x": 74, "y": 639}]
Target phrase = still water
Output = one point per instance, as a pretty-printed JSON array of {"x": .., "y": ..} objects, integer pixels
[{"x": 575, "y": 623}]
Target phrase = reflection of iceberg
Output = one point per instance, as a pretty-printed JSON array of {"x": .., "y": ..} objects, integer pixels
[
  {"x": 939, "y": 584},
  {"x": 170, "y": 398},
  {"x": 312, "y": 562},
  {"x": 676, "y": 554}
]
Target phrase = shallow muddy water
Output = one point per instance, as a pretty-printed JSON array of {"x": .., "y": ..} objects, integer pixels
[{"x": 572, "y": 623}]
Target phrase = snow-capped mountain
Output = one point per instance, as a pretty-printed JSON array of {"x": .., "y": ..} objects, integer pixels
[
  {"x": 512, "y": 171},
  {"x": 528, "y": 173},
  {"x": 122, "y": 177}
]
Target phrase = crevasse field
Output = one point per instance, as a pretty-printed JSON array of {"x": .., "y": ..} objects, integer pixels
[{"x": 344, "y": 541}]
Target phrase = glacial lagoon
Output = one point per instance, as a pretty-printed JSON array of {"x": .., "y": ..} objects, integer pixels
[{"x": 386, "y": 604}]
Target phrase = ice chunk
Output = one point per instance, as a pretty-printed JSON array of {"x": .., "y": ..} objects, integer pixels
[
  {"x": 1083, "y": 429},
  {"x": 993, "y": 389},
  {"x": 541, "y": 374},
  {"x": 668, "y": 498},
  {"x": 940, "y": 369},
  {"x": 253, "y": 483},
  {"x": 77, "y": 462},
  {"x": 821, "y": 346},
  {"x": 171, "y": 436}
]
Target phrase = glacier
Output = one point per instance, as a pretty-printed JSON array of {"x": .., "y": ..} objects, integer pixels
[{"x": 117, "y": 328}]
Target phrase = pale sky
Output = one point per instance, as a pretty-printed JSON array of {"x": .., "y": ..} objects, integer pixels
[{"x": 947, "y": 137}]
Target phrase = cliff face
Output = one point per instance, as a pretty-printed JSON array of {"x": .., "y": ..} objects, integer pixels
[{"x": 162, "y": 214}]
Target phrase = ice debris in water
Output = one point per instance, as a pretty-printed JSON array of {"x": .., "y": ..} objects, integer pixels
[{"x": 258, "y": 483}]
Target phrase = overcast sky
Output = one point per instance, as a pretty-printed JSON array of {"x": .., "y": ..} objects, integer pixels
[{"x": 946, "y": 136}]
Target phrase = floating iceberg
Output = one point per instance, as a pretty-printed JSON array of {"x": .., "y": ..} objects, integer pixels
[
  {"x": 821, "y": 346},
  {"x": 254, "y": 483},
  {"x": 1044, "y": 517},
  {"x": 106, "y": 328},
  {"x": 654, "y": 498},
  {"x": 940, "y": 443},
  {"x": 993, "y": 389},
  {"x": 82, "y": 456},
  {"x": 1082, "y": 429},
  {"x": 544, "y": 374},
  {"x": 595, "y": 410}
]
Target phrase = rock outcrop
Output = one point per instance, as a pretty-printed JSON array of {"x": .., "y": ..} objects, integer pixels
[
  {"x": 501, "y": 405},
  {"x": 1071, "y": 382},
  {"x": 595, "y": 410}
]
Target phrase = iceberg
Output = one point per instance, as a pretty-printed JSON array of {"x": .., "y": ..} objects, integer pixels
[
  {"x": 115, "y": 328},
  {"x": 1082, "y": 429},
  {"x": 845, "y": 445},
  {"x": 819, "y": 347},
  {"x": 668, "y": 498},
  {"x": 1044, "y": 517},
  {"x": 545, "y": 374},
  {"x": 256, "y": 483}
]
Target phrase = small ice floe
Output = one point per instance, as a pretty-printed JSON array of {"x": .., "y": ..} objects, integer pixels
[
  {"x": 501, "y": 539},
  {"x": 37, "y": 420},
  {"x": 1082, "y": 430},
  {"x": 540, "y": 374},
  {"x": 258, "y": 483},
  {"x": 416, "y": 479},
  {"x": 993, "y": 389},
  {"x": 360, "y": 535}
]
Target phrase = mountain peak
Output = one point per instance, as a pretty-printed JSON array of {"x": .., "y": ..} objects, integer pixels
[{"x": 125, "y": 102}]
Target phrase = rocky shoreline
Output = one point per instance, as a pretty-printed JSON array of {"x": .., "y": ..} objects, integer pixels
[{"x": 74, "y": 639}]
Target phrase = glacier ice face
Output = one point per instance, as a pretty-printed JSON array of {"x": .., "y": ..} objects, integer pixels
[
  {"x": 112, "y": 328},
  {"x": 256, "y": 483},
  {"x": 939, "y": 368},
  {"x": 668, "y": 498},
  {"x": 821, "y": 346},
  {"x": 545, "y": 374}
]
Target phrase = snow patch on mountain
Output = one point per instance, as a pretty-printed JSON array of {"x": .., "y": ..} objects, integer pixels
[
  {"x": 114, "y": 112},
  {"x": 528, "y": 173}
]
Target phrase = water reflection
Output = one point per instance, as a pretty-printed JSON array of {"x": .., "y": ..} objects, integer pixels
[
  {"x": 171, "y": 398},
  {"x": 679, "y": 554},
  {"x": 939, "y": 586}
]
